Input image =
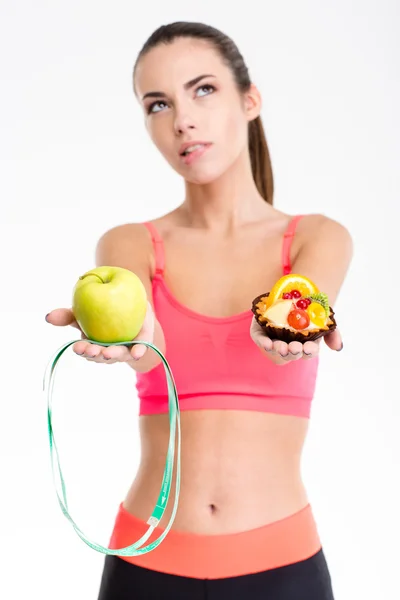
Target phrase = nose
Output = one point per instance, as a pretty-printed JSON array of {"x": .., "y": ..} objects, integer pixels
[{"x": 183, "y": 122}]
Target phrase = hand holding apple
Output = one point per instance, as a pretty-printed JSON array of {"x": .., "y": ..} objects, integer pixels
[
  {"x": 112, "y": 354},
  {"x": 131, "y": 293},
  {"x": 109, "y": 304}
]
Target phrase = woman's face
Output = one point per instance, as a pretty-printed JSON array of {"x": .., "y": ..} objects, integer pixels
[{"x": 190, "y": 100}]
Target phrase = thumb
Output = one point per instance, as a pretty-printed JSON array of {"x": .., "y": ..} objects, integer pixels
[
  {"x": 62, "y": 317},
  {"x": 334, "y": 340},
  {"x": 146, "y": 334},
  {"x": 259, "y": 337}
]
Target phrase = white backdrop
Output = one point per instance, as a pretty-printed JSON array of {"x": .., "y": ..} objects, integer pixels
[{"x": 76, "y": 160}]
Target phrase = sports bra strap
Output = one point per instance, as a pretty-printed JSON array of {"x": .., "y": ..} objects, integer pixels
[
  {"x": 287, "y": 243},
  {"x": 286, "y": 246},
  {"x": 158, "y": 246}
]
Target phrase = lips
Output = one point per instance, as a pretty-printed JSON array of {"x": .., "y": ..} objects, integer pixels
[
  {"x": 190, "y": 152},
  {"x": 189, "y": 147}
]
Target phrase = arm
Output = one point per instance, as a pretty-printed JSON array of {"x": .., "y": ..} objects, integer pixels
[
  {"x": 324, "y": 257},
  {"x": 129, "y": 246}
]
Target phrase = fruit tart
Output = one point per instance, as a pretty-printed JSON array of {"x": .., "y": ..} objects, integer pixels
[{"x": 294, "y": 310}]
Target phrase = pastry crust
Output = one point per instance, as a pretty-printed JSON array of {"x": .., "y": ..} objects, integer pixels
[{"x": 285, "y": 334}]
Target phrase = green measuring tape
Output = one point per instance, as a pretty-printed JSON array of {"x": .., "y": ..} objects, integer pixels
[{"x": 174, "y": 420}]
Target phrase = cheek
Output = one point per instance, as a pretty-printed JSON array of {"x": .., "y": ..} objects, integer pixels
[
  {"x": 231, "y": 135},
  {"x": 236, "y": 132},
  {"x": 159, "y": 130}
]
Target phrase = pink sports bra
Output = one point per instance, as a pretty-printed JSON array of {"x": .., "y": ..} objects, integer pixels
[{"x": 214, "y": 361}]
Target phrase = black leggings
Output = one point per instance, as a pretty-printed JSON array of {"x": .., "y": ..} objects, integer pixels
[{"x": 305, "y": 580}]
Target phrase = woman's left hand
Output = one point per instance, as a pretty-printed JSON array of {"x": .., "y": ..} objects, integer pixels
[{"x": 281, "y": 353}]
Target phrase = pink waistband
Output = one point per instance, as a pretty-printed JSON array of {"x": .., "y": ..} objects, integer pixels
[{"x": 280, "y": 543}]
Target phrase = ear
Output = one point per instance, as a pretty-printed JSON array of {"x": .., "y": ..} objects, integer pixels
[{"x": 252, "y": 102}]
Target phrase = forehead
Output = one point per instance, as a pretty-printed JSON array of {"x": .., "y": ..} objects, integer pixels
[{"x": 171, "y": 65}]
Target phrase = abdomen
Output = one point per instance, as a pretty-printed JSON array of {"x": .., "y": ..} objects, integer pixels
[{"x": 239, "y": 470}]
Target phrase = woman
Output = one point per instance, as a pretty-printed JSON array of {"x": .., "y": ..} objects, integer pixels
[{"x": 244, "y": 528}]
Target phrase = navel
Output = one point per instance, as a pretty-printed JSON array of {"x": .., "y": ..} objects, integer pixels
[{"x": 212, "y": 508}]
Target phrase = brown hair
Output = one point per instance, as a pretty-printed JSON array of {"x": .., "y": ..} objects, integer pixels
[{"x": 229, "y": 52}]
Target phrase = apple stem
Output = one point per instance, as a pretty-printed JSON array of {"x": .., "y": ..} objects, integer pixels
[{"x": 93, "y": 275}]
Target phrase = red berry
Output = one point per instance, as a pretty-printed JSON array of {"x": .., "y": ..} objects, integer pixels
[
  {"x": 308, "y": 300},
  {"x": 296, "y": 294},
  {"x": 287, "y": 296},
  {"x": 302, "y": 303},
  {"x": 298, "y": 319}
]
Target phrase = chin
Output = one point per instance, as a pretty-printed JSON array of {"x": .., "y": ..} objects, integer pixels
[
  {"x": 201, "y": 178},
  {"x": 202, "y": 174}
]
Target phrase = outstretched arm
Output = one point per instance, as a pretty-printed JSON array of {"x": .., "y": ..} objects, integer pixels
[{"x": 324, "y": 258}]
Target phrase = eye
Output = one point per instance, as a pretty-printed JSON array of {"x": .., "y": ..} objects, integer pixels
[
  {"x": 154, "y": 105},
  {"x": 206, "y": 87},
  {"x": 159, "y": 104}
]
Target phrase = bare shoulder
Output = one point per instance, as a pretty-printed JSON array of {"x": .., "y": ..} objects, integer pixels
[
  {"x": 319, "y": 228},
  {"x": 128, "y": 246},
  {"x": 324, "y": 252},
  {"x": 129, "y": 243}
]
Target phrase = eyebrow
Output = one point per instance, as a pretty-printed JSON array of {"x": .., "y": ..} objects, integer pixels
[{"x": 187, "y": 86}]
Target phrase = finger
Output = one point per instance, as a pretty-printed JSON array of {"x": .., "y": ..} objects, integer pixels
[
  {"x": 334, "y": 340},
  {"x": 62, "y": 317},
  {"x": 264, "y": 342},
  {"x": 117, "y": 353},
  {"x": 80, "y": 348},
  {"x": 146, "y": 334},
  {"x": 281, "y": 348},
  {"x": 310, "y": 349},
  {"x": 295, "y": 350},
  {"x": 93, "y": 351},
  {"x": 88, "y": 350}
]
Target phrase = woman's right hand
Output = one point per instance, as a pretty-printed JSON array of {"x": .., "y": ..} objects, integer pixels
[
  {"x": 279, "y": 352},
  {"x": 63, "y": 317}
]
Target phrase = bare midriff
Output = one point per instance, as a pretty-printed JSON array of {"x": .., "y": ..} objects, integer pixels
[{"x": 240, "y": 470}]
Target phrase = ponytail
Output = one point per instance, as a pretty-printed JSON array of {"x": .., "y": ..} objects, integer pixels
[{"x": 260, "y": 160}]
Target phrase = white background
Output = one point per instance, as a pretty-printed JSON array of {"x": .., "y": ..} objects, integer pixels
[{"x": 76, "y": 160}]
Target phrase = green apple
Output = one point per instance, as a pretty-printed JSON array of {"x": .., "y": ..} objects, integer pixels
[{"x": 109, "y": 304}]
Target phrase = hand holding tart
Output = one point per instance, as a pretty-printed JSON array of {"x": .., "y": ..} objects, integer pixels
[{"x": 295, "y": 310}]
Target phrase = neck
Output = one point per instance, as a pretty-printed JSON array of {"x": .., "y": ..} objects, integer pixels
[{"x": 226, "y": 203}]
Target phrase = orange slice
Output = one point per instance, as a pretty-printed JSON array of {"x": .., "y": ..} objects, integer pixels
[{"x": 291, "y": 282}]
